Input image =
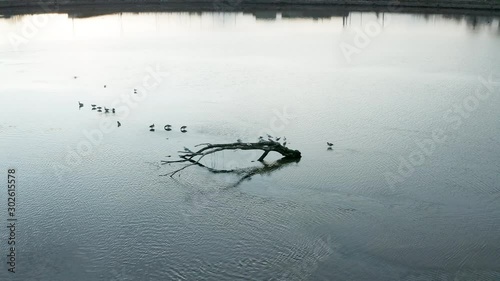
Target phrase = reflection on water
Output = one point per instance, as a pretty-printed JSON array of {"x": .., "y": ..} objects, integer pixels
[{"x": 107, "y": 214}]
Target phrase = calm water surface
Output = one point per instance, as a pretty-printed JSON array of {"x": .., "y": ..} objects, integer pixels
[{"x": 101, "y": 211}]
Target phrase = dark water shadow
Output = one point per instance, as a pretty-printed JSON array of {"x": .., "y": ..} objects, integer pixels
[{"x": 261, "y": 11}]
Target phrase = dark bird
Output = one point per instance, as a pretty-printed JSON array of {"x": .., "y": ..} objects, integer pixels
[
  {"x": 104, "y": 86},
  {"x": 93, "y": 105},
  {"x": 183, "y": 129},
  {"x": 152, "y": 126},
  {"x": 119, "y": 124},
  {"x": 168, "y": 127},
  {"x": 277, "y": 139},
  {"x": 329, "y": 144},
  {"x": 99, "y": 110},
  {"x": 113, "y": 110},
  {"x": 99, "y": 107},
  {"x": 93, "y": 108},
  {"x": 284, "y": 144},
  {"x": 151, "y": 130},
  {"x": 80, "y": 104},
  {"x": 106, "y": 110},
  {"x": 75, "y": 77}
]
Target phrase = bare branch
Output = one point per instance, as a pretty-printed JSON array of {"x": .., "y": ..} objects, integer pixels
[{"x": 266, "y": 146}]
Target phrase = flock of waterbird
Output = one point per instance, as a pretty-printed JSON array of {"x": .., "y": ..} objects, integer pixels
[
  {"x": 277, "y": 139},
  {"x": 167, "y": 127},
  {"x": 183, "y": 129}
]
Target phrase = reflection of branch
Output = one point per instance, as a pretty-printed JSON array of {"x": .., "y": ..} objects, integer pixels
[
  {"x": 266, "y": 146},
  {"x": 267, "y": 169}
]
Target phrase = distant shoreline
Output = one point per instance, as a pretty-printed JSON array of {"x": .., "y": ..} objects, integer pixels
[{"x": 87, "y": 8}]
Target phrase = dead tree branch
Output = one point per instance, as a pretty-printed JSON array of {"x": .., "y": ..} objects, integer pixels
[{"x": 194, "y": 157}]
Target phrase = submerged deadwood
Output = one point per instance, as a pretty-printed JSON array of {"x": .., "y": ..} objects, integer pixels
[{"x": 194, "y": 157}]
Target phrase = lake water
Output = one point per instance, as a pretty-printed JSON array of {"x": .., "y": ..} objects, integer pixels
[{"x": 410, "y": 190}]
